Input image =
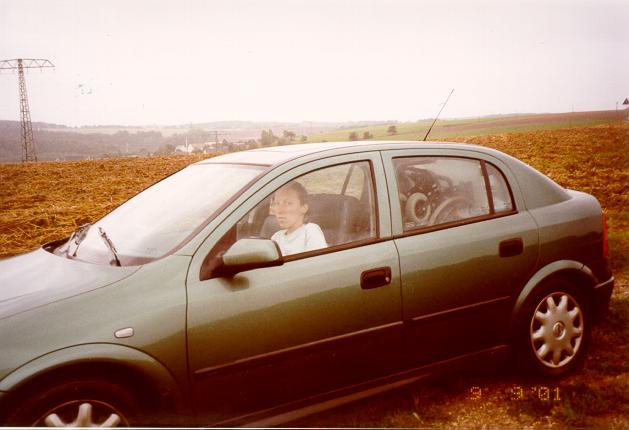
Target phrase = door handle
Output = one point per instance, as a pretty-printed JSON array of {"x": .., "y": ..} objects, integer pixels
[
  {"x": 375, "y": 278},
  {"x": 511, "y": 247}
]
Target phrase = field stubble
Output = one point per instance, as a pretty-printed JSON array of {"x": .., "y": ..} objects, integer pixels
[{"x": 47, "y": 201}]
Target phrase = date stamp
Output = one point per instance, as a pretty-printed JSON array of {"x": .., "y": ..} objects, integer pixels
[{"x": 518, "y": 393}]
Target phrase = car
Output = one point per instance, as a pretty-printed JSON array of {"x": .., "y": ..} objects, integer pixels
[{"x": 257, "y": 287}]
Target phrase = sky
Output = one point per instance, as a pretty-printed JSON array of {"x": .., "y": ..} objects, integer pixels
[{"x": 187, "y": 61}]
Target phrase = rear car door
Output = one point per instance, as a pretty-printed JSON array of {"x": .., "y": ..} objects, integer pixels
[
  {"x": 327, "y": 318},
  {"x": 466, "y": 247}
]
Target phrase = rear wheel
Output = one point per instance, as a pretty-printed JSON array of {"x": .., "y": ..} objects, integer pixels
[
  {"x": 82, "y": 403},
  {"x": 554, "y": 329}
]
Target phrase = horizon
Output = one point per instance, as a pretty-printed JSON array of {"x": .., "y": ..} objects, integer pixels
[{"x": 280, "y": 122}]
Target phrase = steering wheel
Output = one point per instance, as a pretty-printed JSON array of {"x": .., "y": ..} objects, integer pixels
[
  {"x": 417, "y": 208},
  {"x": 449, "y": 208}
]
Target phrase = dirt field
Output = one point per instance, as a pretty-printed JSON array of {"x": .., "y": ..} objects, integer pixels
[{"x": 46, "y": 201}]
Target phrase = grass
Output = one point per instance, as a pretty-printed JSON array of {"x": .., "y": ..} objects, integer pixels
[{"x": 468, "y": 127}]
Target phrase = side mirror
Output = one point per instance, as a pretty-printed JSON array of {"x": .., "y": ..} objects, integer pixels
[{"x": 248, "y": 254}]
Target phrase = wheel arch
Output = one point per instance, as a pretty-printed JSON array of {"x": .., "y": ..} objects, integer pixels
[
  {"x": 146, "y": 376},
  {"x": 576, "y": 272}
]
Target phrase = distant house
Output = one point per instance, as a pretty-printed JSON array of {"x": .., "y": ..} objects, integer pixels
[
  {"x": 189, "y": 148},
  {"x": 182, "y": 149}
]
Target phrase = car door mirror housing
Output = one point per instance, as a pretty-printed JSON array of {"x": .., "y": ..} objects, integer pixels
[{"x": 248, "y": 254}]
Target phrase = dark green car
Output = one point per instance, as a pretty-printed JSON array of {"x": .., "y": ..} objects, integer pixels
[{"x": 256, "y": 287}]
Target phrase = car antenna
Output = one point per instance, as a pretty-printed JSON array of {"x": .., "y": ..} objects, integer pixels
[{"x": 433, "y": 123}]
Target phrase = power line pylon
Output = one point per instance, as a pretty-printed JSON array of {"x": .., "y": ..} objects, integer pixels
[{"x": 28, "y": 144}]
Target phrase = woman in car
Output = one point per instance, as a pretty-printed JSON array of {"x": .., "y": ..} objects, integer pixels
[{"x": 290, "y": 207}]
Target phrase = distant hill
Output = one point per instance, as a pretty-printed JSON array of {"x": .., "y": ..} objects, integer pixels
[
  {"x": 60, "y": 142},
  {"x": 54, "y": 141}
]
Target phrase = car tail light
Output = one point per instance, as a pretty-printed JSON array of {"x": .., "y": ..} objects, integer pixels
[{"x": 605, "y": 245}]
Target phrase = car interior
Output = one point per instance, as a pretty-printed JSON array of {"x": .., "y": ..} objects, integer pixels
[
  {"x": 428, "y": 198},
  {"x": 342, "y": 217}
]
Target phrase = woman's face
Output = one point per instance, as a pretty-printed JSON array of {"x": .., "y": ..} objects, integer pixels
[{"x": 288, "y": 210}]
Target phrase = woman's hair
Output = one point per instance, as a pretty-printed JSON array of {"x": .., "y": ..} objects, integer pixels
[{"x": 299, "y": 189}]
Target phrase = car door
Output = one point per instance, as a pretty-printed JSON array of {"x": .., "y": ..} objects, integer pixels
[
  {"x": 325, "y": 319},
  {"x": 466, "y": 247}
]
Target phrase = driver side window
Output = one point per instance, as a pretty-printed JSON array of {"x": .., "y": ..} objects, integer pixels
[
  {"x": 439, "y": 190},
  {"x": 324, "y": 208}
]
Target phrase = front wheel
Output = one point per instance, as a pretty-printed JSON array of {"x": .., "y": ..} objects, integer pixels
[
  {"x": 554, "y": 329},
  {"x": 84, "y": 403}
]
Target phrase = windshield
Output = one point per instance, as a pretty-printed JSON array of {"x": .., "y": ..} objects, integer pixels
[{"x": 158, "y": 219}]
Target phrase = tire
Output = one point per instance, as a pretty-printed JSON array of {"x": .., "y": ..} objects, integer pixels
[
  {"x": 80, "y": 403},
  {"x": 553, "y": 330}
]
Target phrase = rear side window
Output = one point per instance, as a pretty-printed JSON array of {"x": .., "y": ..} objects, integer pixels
[
  {"x": 436, "y": 191},
  {"x": 440, "y": 190},
  {"x": 501, "y": 196}
]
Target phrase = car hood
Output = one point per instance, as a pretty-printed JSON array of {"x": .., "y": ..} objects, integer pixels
[{"x": 39, "y": 277}]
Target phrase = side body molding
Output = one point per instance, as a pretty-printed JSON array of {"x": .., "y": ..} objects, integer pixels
[{"x": 96, "y": 354}]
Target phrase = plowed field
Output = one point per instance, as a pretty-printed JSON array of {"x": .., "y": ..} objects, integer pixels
[{"x": 47, "y": 201}]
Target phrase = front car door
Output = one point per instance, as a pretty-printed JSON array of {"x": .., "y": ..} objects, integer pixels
[
  {"x": 274, "y": 335},
  {"x": 465, "y": 246}
]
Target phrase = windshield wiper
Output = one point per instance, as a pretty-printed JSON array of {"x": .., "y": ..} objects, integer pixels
[
  {"x": 76, "y": 237},
  {"x": 110, "y": 245}
]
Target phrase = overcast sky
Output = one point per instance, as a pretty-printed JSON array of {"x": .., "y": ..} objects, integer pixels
[{"x": 180, "y": 61}]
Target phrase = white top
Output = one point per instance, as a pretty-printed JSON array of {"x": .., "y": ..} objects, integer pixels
[{"x": 307, "y": 237}]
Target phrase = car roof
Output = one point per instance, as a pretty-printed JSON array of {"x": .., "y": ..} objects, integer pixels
[{"x": 279, "y": 154}]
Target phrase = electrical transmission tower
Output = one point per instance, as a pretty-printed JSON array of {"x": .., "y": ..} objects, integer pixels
[{"x": 28, "y": 145}]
